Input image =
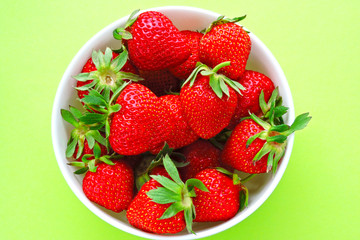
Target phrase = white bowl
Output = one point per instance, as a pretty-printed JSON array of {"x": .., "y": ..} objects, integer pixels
[{"x": 261, "y": 59}]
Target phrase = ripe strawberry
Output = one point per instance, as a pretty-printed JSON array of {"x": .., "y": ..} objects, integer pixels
[
  {"x": 111, "y": 186},
  {"x": 105, "y": 72},
  {"x": 160, "y": 82},
  {"x": 156, "y": 43},
  {"x": 256, "y": 146},
  {"x": 226, "y": 41},
  {"x": 221, "y": 202},
  {"x": 143, "y": 213},
  {"x": 182, "y": 134},
  {"x": 205, "y": 108},
  {"x": 200, "y": 155},
  {"x": 164, "y": 205},
  {"x": 184, "y": 70},
  {"x": 143, "y": 122},
  {"x": 254, "y": 83}
]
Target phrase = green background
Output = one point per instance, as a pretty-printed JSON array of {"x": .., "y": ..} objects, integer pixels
[{"x": 317, "y": 43}]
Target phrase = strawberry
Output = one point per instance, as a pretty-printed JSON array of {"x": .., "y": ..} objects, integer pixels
[
  {"x": 160, "y": 82},
  {"x": 256, "y": 146},
  {"x": 184, "y": 70},
  {"x": 111, "y": 186},
  {"x": 254, "y": 83},
  {"x": 105, "y": 72},
  {"x": 143, "y": 213},
  {"x": 206, "y": 109},
  {"x": 182, "y": 134},
  {"x": 164, "y": 205},
  {"x": 224, "y": 41},
  {"x": 222, "y": 200},
  {"x": 84, "y": 136},
  {"x": 141, "y": 124},
  {"x": 200, "y": 155},
  {"x": 155, "y": 43}
]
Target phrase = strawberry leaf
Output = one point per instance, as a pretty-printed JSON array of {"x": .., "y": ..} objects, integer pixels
[
  {"x": 171, "y": 169},
  {"x": 196, "y": 183},
  {"x": 90, "y": 140},
  {"x": 163, "y": 195},
  {"x": 189, "y": 217},
  {"x": 97, "y": 151},
  {"x": 82, "y": 77},
  {"x": 106, "y": 160},
  {"x": 167, "y": 183},
  {"x": 215, "y": 85},
  {"x": 69, "y": 117},
  {"x": 93, "y": 118},
  {"x": 244, "y": 197},
  {"x": 172, "y": 210},
  {"x": 81, "y": 170},
  {"x": 70, "y": 149}
]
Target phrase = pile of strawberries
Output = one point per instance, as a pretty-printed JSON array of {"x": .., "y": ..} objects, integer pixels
[{"x": 169, "y": 117}]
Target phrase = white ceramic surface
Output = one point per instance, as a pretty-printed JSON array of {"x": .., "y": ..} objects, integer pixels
[{"x": 261, "y": 59}]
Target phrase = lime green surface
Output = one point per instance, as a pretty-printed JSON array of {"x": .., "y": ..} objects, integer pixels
[{"x": 317, "y": 44}]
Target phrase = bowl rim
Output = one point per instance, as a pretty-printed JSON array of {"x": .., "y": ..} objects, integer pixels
[{"x": 115, "y": 222}]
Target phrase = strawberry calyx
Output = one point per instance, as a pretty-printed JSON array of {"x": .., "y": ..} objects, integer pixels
[
  {"x": 276, "y": 138},
  {"x": 273, "y": 110},
  {"x": 100, "y": 108},
  {"x": 89, "y": 161},
  {"x": 222, "y": 19},
  {"x": 177, "y": 192},
  {"x": 82, "y": 131},
  {"x": 122, "y": 32},
  {"x": 143, "y": 174},
  {"x": 219, "y": 83},
  {"x": 108, "y": 77}
]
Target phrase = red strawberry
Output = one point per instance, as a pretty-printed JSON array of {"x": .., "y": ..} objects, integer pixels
[
  {"x": 143, "y": 213},
  {"x": 156, "y": 43},
  {"x": 254, "y": 83},
  {"x": 221, "y": 202},
  {"x": 205, "y": 108},
  {"x": 256, "y": 146},
  {"x": 184, "y": 70},
  {"x": 143, "y": 122},
  {"x": 111, "y": 186},
  {"x": 200, "y": 155},
  {"x": 107, "y": 72},
  {"x": 226, "y": 41},
  {"x": 160, "y": 82},
  {"x": 182, "y": 134},
  {"x": 164, "y": 205}
]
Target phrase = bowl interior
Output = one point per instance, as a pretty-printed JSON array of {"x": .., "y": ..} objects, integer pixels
[{"x": 188, "y": 18}]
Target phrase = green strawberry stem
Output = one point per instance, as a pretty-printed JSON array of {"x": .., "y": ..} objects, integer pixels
[
  {"x": 121, "y": 32},
  {"x": 244, "y": 180},
  {"x": 83, "y": 131},
  {"x": 177, "y": 192},
  {"x": 276, "y": 138},
  {"x": 219, "y": 83},
  {"x": 103, "y": 106},
  {"x": 88, "y": 164},
  {"x": 220, "y": 65},
  {"x": 222, "y": 19},
  {"x": 108, "y": 77}
]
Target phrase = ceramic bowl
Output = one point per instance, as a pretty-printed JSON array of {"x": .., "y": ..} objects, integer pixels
[{"x": 260, "y": 59}]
